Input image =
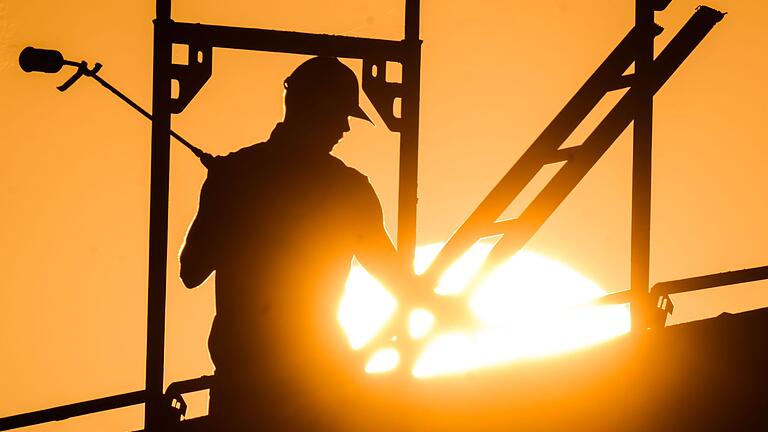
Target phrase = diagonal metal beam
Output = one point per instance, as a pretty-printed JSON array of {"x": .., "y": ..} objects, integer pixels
[
  {"x": 617, "y": 120},
  {"x": 541, "y": 151},
  {"x": 581, "y": 161}
]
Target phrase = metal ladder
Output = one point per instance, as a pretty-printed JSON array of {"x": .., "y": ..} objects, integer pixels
[{"x": 577, "y": 161}]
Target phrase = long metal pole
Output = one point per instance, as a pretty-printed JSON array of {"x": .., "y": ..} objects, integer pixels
[
  {"x": 409, "y": 136},
  {"x": 158, "y": 217},
  {"x": 203, "y": 156},
  {"x": 641, "y": 166}
]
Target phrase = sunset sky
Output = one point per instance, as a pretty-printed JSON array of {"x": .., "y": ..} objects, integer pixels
[{"x": 75, "y": 181}]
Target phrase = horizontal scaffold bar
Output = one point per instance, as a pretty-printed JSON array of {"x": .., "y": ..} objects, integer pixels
[
  {"x": 73, "y": 410},
  {"x": 695, "y": 283},
  {"x": 284, "y": 41},
  {"x": 710, "y": 281}
]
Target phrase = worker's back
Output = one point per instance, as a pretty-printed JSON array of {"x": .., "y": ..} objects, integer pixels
[
  {"x": 289, "y": 223},
  {"x": 286, "y": 227}
]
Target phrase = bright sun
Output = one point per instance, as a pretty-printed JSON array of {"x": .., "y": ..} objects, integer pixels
[{"x": 530, "y": 306}]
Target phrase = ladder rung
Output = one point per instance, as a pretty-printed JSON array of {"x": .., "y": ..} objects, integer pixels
[
  {"x": 625, "y": 81},
  {"x": 503, "y": 226},
  {"x": 498, "y": 228},
  {"x": 562, "y": 155},
  {"x": 619, "y": 297}
]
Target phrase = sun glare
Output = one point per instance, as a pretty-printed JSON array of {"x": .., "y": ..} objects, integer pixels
[
  {"x": 530, "y": 306},
  {"x": 383, "y": 360},
  {"x": 420, "y": 322},
  {"x": 365, "y": 306}
]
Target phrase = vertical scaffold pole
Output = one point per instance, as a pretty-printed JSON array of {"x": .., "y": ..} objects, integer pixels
[
  {"x": 158, "y": 217},
  {"x": 641, "y": 167},
  {"x": 409, "y": 136}
]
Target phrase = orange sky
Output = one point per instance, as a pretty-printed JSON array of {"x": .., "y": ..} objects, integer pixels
[{"x": 75, "y": 180}]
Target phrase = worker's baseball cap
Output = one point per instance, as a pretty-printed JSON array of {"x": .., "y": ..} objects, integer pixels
[{"x": 326, "y": 80}]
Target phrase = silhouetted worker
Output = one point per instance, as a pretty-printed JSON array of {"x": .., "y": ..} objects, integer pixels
[{"x": 279, "y": 223}]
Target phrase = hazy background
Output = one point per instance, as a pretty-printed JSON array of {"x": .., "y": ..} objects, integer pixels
[{"x": 74, "y": 185}]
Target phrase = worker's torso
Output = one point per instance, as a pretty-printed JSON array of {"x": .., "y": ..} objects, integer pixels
[{"x": 290, "y": 228}]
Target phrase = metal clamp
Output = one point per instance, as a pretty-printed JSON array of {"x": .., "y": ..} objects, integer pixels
[
  {"x": 381, "y": 93},
  {"x": 82, "y": 70},
  {"x": 664, "y": 308},
  {"x": 191, "y": 76}
]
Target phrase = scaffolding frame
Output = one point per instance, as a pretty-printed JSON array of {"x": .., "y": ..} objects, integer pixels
[{"x": 200, "y": 39}]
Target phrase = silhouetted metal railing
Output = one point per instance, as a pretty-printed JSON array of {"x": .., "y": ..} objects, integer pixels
[
  {"x": 661, "y": 291},
  {"x": 73, "y": 410}
]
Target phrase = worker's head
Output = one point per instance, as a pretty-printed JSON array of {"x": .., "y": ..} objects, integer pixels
[{"x": 320, "y": 96}]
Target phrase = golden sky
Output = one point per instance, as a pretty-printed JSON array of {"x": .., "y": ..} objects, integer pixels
[{"x": 75, "y": 180}]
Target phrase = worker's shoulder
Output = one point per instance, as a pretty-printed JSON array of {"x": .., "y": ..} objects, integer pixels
[
  {"x": 237, "y": 160},
  {"x": 249, "y": 153}
]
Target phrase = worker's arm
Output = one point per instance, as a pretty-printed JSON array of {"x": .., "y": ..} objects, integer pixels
[
  {"x": 197, "y": 257},
  {"x": 377, "y": 254}
]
